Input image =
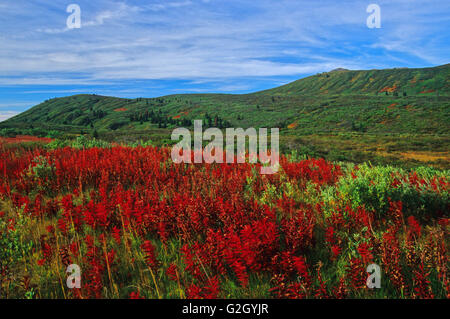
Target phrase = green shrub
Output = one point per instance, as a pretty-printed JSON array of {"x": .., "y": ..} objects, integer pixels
[
  {"x": 141, "y": 143},
  {"x": 373, "y": 187},
  {"x": 85, "y": 142},
  {"x": 80, "y": 142}
]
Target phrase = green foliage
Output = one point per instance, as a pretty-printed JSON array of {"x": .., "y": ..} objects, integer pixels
[
  {"x": 141, "y": 143},
  {"x": 85, "y": 142},
  {"x": 14, "y": 250},
  {"x": 42, "y": 168},
  {"x": 80, "y": 142},
  {"x": 53, "y": 134},
  {"x": 116, "y": 125},
  {"x": 8, "y": 132},
  {"x": 57, "y": 143},
  {"x": 372, "y": 187},
  {"x": 14, "y": 247}
]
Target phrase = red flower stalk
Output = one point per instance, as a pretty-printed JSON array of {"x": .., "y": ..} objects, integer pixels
[
  {"x": 209, "y": 291},
  {"x": 149, "y": 254},
  {"x": 135, "y": 295},
  {"x": 364, "y": 251},
  {"x": 171, "y": 272},
  {"x": 414, "y": 226},
  {"x": 357, "y": 274},
  {"x": 422, "y": 288}
]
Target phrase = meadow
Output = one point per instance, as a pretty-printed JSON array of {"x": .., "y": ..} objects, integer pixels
[
  {"x": 396, "y": 117},
  {"x": 140, "y": 226}
]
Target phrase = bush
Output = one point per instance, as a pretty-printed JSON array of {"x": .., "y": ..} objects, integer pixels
[
  {"x": 80, "y": 142},
  {"x": 374, "y": 186},
  {"x": 116, "y": 125},
  {"x": 84, "y": 142}
]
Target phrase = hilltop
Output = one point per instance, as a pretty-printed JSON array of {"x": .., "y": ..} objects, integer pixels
[
  {"x": 394, "y": 100},
  {"x": 373, "y": 102},
  {"x": 372, "y": 82}
]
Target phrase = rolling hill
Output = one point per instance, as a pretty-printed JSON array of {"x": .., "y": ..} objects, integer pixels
[
  {"x": 371, "y": 82},
  {"x": 401, "y": 102}
]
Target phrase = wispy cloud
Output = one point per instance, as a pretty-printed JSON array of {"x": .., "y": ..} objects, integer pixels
[
  {"x": 4, "y": 115},
  {"x": 167, "y": 5},
  {"x": 217, "y": 40},
  {"x": 192, "y": 39}
]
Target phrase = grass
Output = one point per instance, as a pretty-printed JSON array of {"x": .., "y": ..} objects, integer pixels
[{"x": 367, "y": 186}]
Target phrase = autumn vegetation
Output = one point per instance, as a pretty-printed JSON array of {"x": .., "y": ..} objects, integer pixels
[{"x": 140, "y": 226}]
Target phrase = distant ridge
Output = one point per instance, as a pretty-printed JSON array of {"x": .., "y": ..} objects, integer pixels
[
  {"x": 390, "y": 101},
  {"x": 342, "y": 81},
  {"x": 339, "y": 69}
]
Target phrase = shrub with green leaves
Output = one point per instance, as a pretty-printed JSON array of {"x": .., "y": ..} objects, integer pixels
[
  {"x": 14, "y": 249},
  {"x": 372, "y": 187},
  {"x": 80, "y": 142}
]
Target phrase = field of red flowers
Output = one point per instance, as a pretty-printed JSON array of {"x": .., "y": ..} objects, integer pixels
[
  {"x": 140, "y": 226},
  {"x": 24, "y": 139}
]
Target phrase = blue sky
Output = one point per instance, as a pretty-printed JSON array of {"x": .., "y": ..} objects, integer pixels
[{"x": 138, "y": 48}]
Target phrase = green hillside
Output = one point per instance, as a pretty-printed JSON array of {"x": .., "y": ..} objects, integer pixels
[
  {"x": 413, "y": 104},
  {"x": 373, "y": 82}
]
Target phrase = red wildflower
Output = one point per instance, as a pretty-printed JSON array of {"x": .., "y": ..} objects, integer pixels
[
  {"x": 149, "y": 254},
  {"x": 414, "y": 226},
  {"x": 135, "y": 295}
]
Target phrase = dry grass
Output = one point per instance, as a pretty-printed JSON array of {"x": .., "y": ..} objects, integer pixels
[{"x": 427, "y": 156}]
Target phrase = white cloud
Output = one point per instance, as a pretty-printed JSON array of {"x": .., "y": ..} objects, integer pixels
[
  {"x": 167, "y": 5},
  {"x": 6, "y": 106},
  {"x": 196, "y": 39},
  {"x": 4, "y": 115}
]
